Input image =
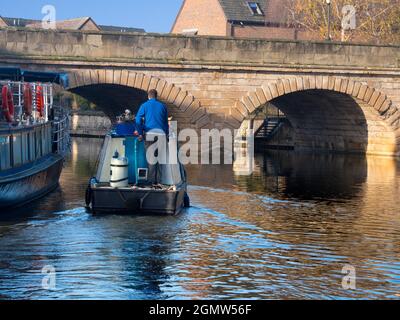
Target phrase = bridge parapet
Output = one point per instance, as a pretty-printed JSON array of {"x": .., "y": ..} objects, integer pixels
[{"x": 189, "y": 50}]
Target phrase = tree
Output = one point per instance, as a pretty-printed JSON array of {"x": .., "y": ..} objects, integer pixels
[{"x": 376, "y": 21}]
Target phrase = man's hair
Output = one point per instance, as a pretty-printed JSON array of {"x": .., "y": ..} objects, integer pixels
[{"x": 153, "y": 94}]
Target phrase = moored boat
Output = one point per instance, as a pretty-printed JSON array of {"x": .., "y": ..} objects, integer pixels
[
  {"x": 121, "y": 184},
  {"x": 34, "y": 136}
]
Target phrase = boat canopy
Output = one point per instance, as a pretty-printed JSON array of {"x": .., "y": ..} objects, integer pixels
[{"x": 17, "y": 74}]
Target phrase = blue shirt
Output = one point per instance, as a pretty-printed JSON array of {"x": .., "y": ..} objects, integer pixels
[
  {"x": 155, "y": 115},
  {"x": 125, "y": 128}
]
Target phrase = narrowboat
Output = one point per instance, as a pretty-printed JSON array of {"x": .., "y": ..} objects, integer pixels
[
  {"x": 34, "y": 135},
  {"x": 121, "y": 184}
]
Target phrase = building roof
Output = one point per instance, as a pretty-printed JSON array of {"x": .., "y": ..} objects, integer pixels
[
  {"x": 74, "y": 24},
  {"x": 19, "y": 22},
  {"x": 274, "y": 11},
  {"x": 121, "y": 29},
  {"x": 71, "y": 24}
]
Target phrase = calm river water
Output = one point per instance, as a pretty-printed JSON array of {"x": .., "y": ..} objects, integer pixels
[{"x": 285, "y": 232}]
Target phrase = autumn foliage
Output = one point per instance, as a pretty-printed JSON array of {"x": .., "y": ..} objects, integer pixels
[{"x": 376, "y": 21}]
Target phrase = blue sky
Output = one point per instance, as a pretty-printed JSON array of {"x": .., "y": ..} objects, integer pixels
[{"x": 152, "y": 15}]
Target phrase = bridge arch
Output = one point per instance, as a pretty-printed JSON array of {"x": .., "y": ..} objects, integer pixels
[
  {"x": 184, "y": 107},
  {"x": 330, "y": 113}
]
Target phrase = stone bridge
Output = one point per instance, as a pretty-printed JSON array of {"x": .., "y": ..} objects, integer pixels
[{"x": 338, "y": 97}]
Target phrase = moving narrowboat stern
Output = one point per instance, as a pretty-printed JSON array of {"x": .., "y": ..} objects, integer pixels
[{"x": 121, "y": 184}]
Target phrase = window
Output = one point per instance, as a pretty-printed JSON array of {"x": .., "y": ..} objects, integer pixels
[{"x": 255, "y": 8}]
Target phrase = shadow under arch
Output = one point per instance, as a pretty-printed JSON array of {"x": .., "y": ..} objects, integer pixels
[
  {"x": 325, "y": 121},
  {"x": 115, "y": 90},
  {"x": 331, "y": 114}
]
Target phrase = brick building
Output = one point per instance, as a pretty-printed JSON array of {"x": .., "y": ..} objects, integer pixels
[{"x": 237, "y": 18}]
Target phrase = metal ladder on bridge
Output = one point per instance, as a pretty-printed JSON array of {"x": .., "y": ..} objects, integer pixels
[{"x": 269, "y": 128}]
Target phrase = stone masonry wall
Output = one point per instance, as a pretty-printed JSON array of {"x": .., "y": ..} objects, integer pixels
[
  {"x": 217, "y": 82},
  {"x": 89, "y": 124}
]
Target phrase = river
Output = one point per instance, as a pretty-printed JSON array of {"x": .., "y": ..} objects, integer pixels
[{"x": 292, "y": 230}]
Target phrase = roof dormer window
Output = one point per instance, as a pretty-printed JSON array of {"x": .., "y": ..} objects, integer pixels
[{"x": 255, "y": 8}]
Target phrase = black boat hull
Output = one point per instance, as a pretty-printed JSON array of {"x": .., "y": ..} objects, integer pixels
[
  {"x": 137, "y": 201},
  {"x": 31, "y": 183}
]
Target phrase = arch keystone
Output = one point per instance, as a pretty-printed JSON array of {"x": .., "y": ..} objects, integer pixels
[
  {"x": 306, "y": 83},
  {"x": 374, "y": 98},
  {"x": 380, "y": 101},
  {"x": 166, "y": 91},
  {"x": 239, "y": 106},
  {"x": 343, "y": 87},
  {"x": 117, "y": 77},
  {"x": 236, "y": 114},
  {"x": 385, "y": 106},
  {"x": 331, "y": 83},
  {"x": 368, "y": 94},
  {"x": 86, "y": 79},
  {"x": 72, "y": 80},
  {"x": 180, "y": 98},
  {"x": 261, "y": 96},
  {"x": 313, "y": 82},
  {"x": 254, "y": 99},
  {"x": 79, "y": 79},
  {"x": 286, "y": 86},
  {"x": 186, "y": 103},
  {"x": 153, "y": 83},
  {"x": 94, "y": 76},
  {"x": 160, "y": 87},
  {"x": 350, "y": 87},
  {"x": 300, "y": 84},
  {"x": 131, "y": 79},
  {"x": 124, "y": 77},
  {"x": 362, "y": 92},
  {"x": 248, "y": 104},
  {"x": 197, "y": 115},
  {"x": 109, "y": 76},
  {"x": 145, "y": 83},
  {"x": 173, "y": 94},
  {"x": 203, "y": 121},
  {"x": 293, "y": 85},
  {"x": 267, "y": 92},
  {"x": 281, "y": 88},
  {"x": 193, "y": 108},
  {"x": 325, "y": 82},
  {"x": 102, "y": 76},
  {"x": 338, "y": 84},
  {"x": 139, "y": 80},
  {"x": 395, "y": 118},
  {"x": 356, "y": 89},
  {"x": 318, "y": 82},
  {"x": 274, "y": 90}
]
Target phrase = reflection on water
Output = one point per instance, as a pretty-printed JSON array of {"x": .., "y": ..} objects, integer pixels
[{"x": 284, "y": 232}]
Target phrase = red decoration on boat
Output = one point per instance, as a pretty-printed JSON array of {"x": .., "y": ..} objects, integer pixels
[
  {"x": 40, "y": 101},
  {"x": 27, "y": 99},
  {"x": 8, "y": 103}
]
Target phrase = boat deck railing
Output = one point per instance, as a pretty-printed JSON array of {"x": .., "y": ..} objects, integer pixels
[
  {"x": 32, "y": 135},
  {"x": 61, "y": 136},
  {"x": 17, "y": 88}
]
